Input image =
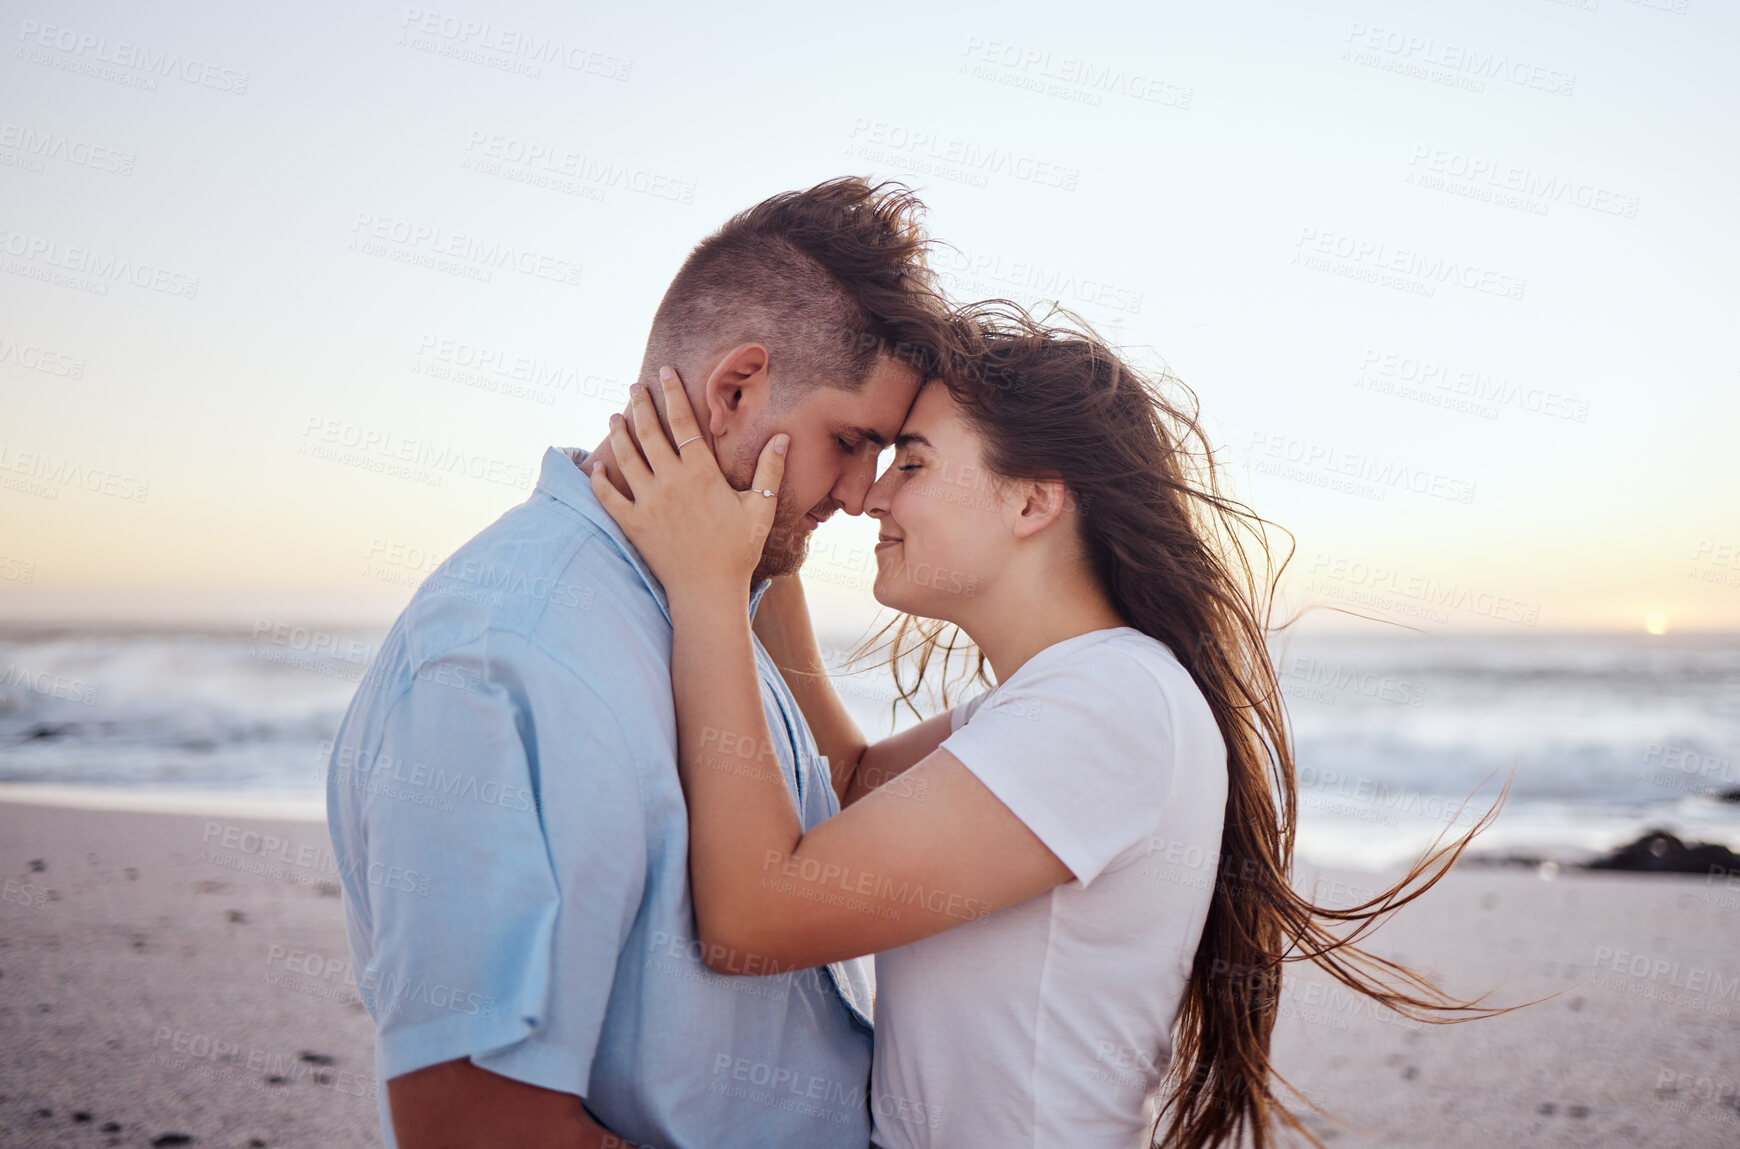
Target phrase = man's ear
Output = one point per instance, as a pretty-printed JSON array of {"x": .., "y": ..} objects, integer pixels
[
  {"x": 1038, "y": 503},
  {"x": 736, "y": 389}
]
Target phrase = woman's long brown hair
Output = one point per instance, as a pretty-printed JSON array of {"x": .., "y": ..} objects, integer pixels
[{"x": 1174, "y": 554}]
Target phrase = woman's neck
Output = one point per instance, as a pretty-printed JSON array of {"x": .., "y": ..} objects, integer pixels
[{"x": 1024, "y": 616}]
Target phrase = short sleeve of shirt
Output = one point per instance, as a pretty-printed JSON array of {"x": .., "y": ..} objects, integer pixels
[
  {"x": 1081, "y": 749},
  {"x": 462, "y": 954},
  {"x": 959, "y": 715}
]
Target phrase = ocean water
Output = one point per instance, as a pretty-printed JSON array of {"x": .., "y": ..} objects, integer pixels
[{"x": 1603, "y": 736}]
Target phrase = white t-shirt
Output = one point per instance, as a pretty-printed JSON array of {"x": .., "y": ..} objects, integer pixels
[{"x": 1048, "y": 1023}]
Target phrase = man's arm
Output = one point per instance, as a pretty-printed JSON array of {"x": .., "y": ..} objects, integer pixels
[
  {"x": 462, "y": 894},
  {"x": 456, "y": 1105}
]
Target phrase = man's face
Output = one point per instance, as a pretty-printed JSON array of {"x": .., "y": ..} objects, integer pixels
[{"x": 836, "y": 436}]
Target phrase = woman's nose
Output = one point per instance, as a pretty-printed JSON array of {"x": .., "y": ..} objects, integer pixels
[{"x": 876, "y": 499}]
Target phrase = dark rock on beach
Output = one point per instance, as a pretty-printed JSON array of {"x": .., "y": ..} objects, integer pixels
[{"x": 1660, "y": 852}]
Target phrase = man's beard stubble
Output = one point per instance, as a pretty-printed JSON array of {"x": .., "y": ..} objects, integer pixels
[{"x": 788, "y": 543}]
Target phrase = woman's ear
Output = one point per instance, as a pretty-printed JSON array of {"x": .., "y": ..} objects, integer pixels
[
  {"x": 1041, "y": 503},
  {"x": 736, "y": 390}
]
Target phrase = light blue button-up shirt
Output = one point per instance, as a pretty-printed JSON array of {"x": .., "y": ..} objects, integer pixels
[{"x": 510, "y": 829}]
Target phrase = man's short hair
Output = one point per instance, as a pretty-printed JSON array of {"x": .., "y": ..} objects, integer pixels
[{"x": 830, "y": 280}]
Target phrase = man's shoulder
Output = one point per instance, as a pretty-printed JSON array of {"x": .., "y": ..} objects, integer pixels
[
  {"x": 540, "y": 556},
  {"x": 541, "y": 585}
]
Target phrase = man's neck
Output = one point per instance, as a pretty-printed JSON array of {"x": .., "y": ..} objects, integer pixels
[{"x": 604, "y": 456}]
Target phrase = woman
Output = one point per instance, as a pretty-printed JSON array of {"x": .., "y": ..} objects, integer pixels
[{"x": 1075, "y": 884}]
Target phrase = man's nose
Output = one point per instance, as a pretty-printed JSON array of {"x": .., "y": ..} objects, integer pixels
[{"x": 854, "y": 485}]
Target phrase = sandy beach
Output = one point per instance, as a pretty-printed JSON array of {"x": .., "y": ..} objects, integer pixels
[
  {"x": 170, "y": 974},
  {"x": 167, "y": 975}
]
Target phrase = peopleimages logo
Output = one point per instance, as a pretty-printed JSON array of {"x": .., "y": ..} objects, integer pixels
[
  {"x": 84, "y": 50},
  {"x": 1382, "y": 474},
  {"x": 100, "y": 266},
  {"x": 966, "y": 273},
  {"x": 51, "y": 474},
  {"x": 1394, "y": 50},
  {"x": 1526, "y": 182},
  {"x": 16, "y": 569},
  {"x": 1373, "y": 584},
  {"x": 373, "y": 233},
  {"x": 903, "y": 144},
  {"x": 45, "y": 145},
  {"x": 510, "y": 373},
  {"x": 555, "y": 160},
  {"x": 1315, "y": 248},
  {"x": 374, "y": 449},
  {"x": 61, "y": 686},
  {"x": 1485, "y": 392},
  {"x": 1314, "y": 672},
  {"x": 1066, "y": 76},
  {"x": 30, "y": 357},
  {"x": 511, "y": 44},
  {"x": 356, "y": 767}
]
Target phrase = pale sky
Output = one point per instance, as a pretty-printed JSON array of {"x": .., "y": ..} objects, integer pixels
[{"x": 1454, "y": 283}]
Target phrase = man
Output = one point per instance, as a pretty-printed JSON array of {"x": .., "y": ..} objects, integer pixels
[{"x": 503, "y": 794}]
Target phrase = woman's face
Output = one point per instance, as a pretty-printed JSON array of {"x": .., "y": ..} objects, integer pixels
[{"x": 943, "y": 532}]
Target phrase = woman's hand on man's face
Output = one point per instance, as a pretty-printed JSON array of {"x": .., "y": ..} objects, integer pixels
[{"x": 697, "y": 533}]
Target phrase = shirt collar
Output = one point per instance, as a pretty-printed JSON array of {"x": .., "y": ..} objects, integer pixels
[{"x": 562, "y": 479}]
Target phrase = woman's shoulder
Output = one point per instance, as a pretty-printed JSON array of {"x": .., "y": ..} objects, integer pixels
[
  {"x": 1135, "y": 673},
  {"x": 1111, "y": 653},
  {"x": 1118, "y": 679},
  {"x": 1140, "y": 645}
]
